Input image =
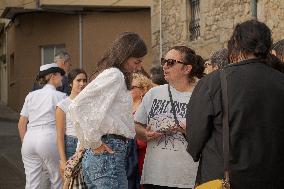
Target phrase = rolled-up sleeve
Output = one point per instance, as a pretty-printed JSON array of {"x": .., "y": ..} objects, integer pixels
[
  {"x": 24, "y": 111},
  {"x": 199, "y": 120},
  {"x": 90, "y": 107}
]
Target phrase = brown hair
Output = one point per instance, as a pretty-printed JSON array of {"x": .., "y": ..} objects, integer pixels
[
  {"x": 191, "y": 58},
  {"x": 127, "y": 45},
  {"x": 250, "y": 37}
]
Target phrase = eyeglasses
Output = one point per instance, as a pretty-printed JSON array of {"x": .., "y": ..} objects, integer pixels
[
  {"x": 170, "y": 62},
  {"x": 207, "y": 63}
]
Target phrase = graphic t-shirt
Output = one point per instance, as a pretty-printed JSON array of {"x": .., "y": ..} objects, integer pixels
[{"x": 167, "y": 163}]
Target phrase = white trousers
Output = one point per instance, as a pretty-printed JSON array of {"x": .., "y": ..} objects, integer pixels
[{"x": 39, "y": 149}]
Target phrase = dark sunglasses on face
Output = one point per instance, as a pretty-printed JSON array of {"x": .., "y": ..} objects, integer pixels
[{"x": 170, "y": 62}]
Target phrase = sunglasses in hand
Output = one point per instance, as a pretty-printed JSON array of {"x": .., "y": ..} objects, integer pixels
[{"x": 170, "y": 62}]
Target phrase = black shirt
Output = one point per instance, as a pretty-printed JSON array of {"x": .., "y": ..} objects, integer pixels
[{"x": 256, "y": 121}]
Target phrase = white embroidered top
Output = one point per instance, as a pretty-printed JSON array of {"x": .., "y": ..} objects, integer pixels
[{"x": 104, "y": 106}]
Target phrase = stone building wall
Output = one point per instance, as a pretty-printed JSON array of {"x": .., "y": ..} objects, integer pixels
[
  {"x": 174, "y": 25},
  {"x": 272, "y": 13},
  {"x": 217, "y": 21},
  {"x": 155, "y": 30}
]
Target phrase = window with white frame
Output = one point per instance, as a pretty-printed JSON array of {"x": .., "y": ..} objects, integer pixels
[
  {"x": 194, "y": 26},
  {"x": 49, "y": 51}
]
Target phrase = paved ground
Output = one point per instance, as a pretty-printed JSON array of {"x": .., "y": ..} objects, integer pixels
[{"x": 12, "y": 174}]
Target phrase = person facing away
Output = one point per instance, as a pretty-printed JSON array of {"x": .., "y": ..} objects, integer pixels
[
  {"x": 38, "y": 131},
  {"x": 103, "y": 113},
  {"x": 277, "y": 56},
  {"x": 63, "y": 60},
  {"x": 167, "y": 163},
  {"x": 66, "y": 132},
  {"x": 255, "y": 101},
  {"x": 278, "y": 50},
  {"x": 218, "y": 59}
]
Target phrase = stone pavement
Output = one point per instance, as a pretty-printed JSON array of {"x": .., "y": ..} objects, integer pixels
[
  {"x": 12, "y": 174},
  {"x": 7, "y": 114}
]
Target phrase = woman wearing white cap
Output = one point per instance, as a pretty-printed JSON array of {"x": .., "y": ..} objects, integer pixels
[{"x": 37, "y": 128}]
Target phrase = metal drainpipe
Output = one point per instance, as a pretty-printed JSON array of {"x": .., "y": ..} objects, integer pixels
[
  {"x": 37, "y": 4},
  {"x": 253, "y": 6},
  {"x": 161, "y": 40},
  {"x": 7, "y": 66},
  {"x": 80, "y": 41}
]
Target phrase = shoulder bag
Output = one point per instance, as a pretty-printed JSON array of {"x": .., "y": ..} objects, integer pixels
[{"x": 73, "y": 176}]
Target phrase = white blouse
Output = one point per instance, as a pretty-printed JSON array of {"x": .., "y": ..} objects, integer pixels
[
  {"x": 69, "y": 128},
  {"x": 104, "y": 106}
]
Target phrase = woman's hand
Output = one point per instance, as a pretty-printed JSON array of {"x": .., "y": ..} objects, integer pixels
[
  {"x": 181, "y": 128},
  {"x": 103, "y": 148},
  {"x": 151, "y": 135}
]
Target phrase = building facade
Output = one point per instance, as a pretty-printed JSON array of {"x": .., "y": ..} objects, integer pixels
[
  {"x": 39, "y": 29},
  {"x": 3, "y": 64},
  {"x": 206, "y": 25}
]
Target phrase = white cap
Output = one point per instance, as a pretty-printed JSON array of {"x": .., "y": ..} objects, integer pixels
[
  {"x": 50, "y": 68},
  {"x": 47, "y": 66}
]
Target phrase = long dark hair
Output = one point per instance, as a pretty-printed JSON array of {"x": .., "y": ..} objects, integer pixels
[
  {"x": 72, "y": 75},
  {"x": 127, "y": 45},
  {"x": 250, "y": 37},
  {"x": 190, "y": 57}
]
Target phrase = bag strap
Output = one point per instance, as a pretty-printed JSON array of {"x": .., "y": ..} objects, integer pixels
[
  {"x": 173, "y": 106},
  {"x": 225, "y": 120}
]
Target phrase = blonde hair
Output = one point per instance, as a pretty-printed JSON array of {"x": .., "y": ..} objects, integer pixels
[
  {"x": 143, "y": 82},
  {"x": 41, "y": 81}
]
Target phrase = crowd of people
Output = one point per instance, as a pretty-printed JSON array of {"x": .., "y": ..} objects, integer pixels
[{"x": 163, "y": 130}]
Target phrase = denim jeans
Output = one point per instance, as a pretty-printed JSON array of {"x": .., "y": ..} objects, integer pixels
[
  {"x": 70, "y": 145},
  {"x": 105, "y": 170},
  {"x": 132, "y": 165}
]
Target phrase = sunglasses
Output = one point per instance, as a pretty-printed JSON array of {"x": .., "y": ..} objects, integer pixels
[
  {"x": 170, "y": 62},
  {"x": 207, "y": 64}
]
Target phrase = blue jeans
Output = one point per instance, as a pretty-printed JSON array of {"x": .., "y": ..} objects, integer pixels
[
  {"x": 132, "y": 165},
  {"x": 70, "y": 145},
  {"x": 105, "y": 170}
]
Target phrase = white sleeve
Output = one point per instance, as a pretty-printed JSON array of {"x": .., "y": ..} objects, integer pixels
[
  {"x": 62, "y": 106},
  {"x": 89, "y": 108},
  {"x": 24, "y": 111}
]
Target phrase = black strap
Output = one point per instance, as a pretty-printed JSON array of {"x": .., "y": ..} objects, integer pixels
[
  {"x": 225, "y": 120},
  {"x": 173, "y": 106}
]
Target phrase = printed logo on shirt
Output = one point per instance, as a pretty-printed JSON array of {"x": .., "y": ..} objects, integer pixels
[
  {"x": 163, "y": 106},
  {"x": 161, "y": 116}
]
